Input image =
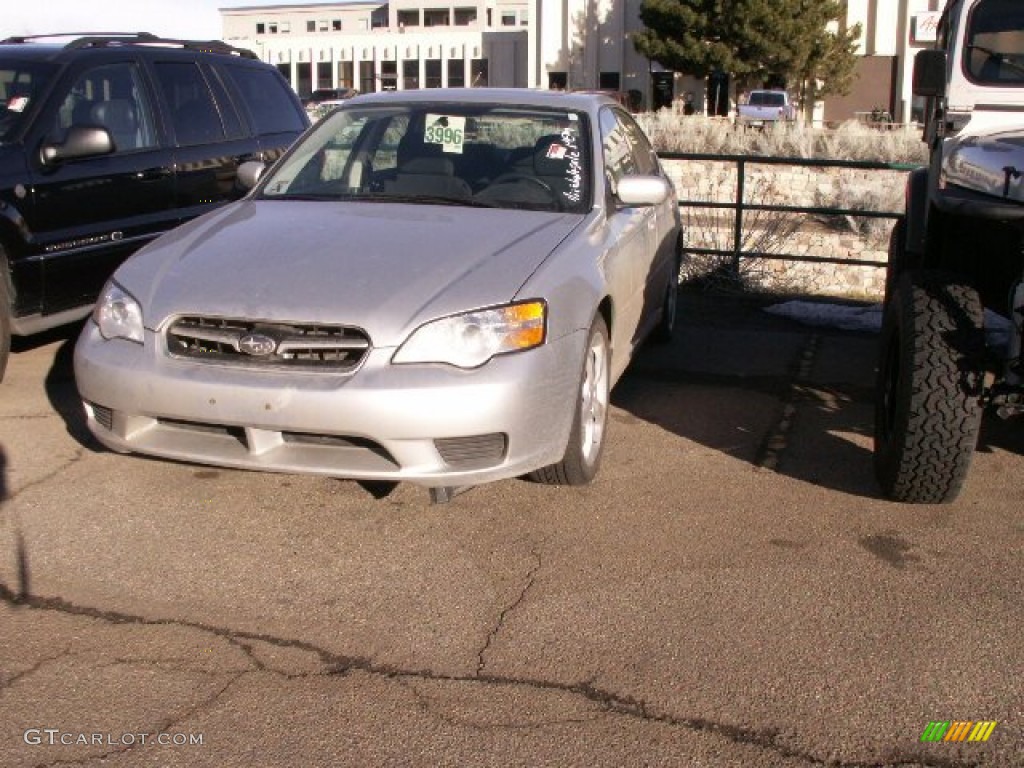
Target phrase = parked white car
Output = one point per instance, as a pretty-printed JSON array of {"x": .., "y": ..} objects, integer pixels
[{"x": 437, "y": 286}]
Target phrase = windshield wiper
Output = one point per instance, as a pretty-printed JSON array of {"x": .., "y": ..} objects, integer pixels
[
  {"x": 1001, "y": 57},
  {"x": 377, "y": 197}
]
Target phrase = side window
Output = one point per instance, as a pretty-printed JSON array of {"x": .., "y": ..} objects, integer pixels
[
  {"x": 619, "y": 159},
  {"x": 193, "y": 112},
  {"x": 267, "y": 98},
  {"x": 644, "y": 157},
  {"x": 111, "y": 96},
  {"x": 229, "y": 111}
]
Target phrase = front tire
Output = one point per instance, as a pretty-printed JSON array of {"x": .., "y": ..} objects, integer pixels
[
  {"x": 582, "y": 455},
  {"x": 928, "y": 395}
]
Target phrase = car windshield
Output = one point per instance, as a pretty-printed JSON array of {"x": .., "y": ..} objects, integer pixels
[
  {"x": 20, "y": 84},
  {"x": 484, "y": 155},
  {"x": 995, "y": 43}
]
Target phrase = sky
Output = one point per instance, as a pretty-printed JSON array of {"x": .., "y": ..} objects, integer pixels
[{"x": 193, "y": 19}]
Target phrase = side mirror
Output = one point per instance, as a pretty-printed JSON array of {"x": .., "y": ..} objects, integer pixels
[
  {"x": 80, "y": 141},
  {"x": 249, "y": 174},
  {"x": 929, "y": 73},
  {"x": 643, "y": 190}
]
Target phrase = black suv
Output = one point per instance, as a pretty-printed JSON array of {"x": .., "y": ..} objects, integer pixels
[{"x": 107, "y": 141}]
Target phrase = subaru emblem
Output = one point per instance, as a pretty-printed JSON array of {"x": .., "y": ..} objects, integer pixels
[{"x": 257, "y": 345}]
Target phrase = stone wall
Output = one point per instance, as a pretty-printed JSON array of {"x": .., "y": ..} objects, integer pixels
[{"x": 843, "y": 237}]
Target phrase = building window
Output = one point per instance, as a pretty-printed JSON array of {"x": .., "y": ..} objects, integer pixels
[
  {"x": 311, "y": 26},
  {"x": 272, "y": 28},
  {"x": 609, "y": 81},
  {"x": 411, "y": 74},
  {"x": 261, "y": 28},
  {"x": 304, "y": 78},
  {"x": 323, "y": 25},
  {"x": 389, "y": 76},
  {"x": 508, "y": 18},
  {"x": 436, "y": 18},
  {"x": 367, "y": 77},
  {"x": 524, "y": 17},
  {"x": 408, "y": 18},
  {"x": 478, "y": 73},
  {"x": 286, "y": 27},
  {"x": 558, "y": 81},
  {"x": 465, "y": 16},
  {"x": 336, "y": 25},
  {"x": 456, "y": 73},
  {"x": 345, "y": 74},
  {"x": 433, "y": 73},
  {"x": 324, "y": 71}
]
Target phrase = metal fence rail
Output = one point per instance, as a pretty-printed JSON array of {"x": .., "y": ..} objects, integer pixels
[{"x": 740, "y": 206}]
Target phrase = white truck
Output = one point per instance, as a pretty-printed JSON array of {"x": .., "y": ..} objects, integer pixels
[
  {"x": 958, "y": 250},
  {"x": 763, "y": 107}
]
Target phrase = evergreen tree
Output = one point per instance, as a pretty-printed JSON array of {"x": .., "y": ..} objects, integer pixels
[{"x": 798, "y": 43}]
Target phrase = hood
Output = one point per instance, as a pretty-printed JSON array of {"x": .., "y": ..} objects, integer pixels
[
  {"x": 990, "y": 162},
  {"x": 382, "y": 267}
]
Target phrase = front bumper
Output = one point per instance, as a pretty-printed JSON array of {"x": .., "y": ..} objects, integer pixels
[{"x": 428, "y": 424}]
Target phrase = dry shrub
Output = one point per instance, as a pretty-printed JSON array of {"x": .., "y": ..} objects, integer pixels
[{"x": 672, "y": 131}]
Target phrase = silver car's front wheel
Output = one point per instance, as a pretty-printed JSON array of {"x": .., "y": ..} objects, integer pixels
[{"x": 582, "y": 455}]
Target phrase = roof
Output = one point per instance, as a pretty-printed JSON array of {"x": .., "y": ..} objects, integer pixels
[{"x": 527, "y": 97}]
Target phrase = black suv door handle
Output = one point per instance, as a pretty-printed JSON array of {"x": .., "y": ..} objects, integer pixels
[{"x": 153, "y": 174}]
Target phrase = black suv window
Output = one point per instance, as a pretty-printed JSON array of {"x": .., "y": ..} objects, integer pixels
[
  {"x": 265, "y": 99},
  {"x": 193, "y": 111},
  {"x": 20, "y": 84},
  {"x": 110, "y": 96}
]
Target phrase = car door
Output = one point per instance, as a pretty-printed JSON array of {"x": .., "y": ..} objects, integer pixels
[
  {"x": 89, "y": 214},
  {"x": 210, "y": 139},
  {"x": 665, "y": 231},
  {"x": 629, "y": 236}
]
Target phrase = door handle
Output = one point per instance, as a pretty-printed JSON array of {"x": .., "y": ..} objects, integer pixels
[{"x": 153, "y": 174}]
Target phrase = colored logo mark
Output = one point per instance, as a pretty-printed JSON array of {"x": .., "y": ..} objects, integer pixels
[{"x": 958, "y": 730}]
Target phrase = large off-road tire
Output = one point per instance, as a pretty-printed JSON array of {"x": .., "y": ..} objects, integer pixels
[
  {"x": 928, "y": 396},
  {"x": 5, "y": 316},
  {"x": 897, "y": 257},
  {"x": 582, "y": 455}
]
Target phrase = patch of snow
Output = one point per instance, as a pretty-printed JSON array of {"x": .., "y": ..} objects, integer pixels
[{"x": 847, "y": 317}]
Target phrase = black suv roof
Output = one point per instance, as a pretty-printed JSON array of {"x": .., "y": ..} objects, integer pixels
[{"x": 50, "y": 46}]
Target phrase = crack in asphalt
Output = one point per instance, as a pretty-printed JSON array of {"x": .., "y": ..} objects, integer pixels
[
  {"x": 531, "y": 577},
  {"x": 75, "y": 458},
  {"x": 335, "y": 664}
]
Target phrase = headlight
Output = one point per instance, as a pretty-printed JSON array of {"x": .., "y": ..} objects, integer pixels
[
  {"x": 118, "y": 315},
  {"x": 471, "y": 339}
]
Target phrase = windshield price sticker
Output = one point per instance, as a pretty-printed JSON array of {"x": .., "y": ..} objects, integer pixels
[{"x": 447, "y": 130}]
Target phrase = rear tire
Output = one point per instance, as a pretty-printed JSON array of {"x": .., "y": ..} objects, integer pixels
[
  {"x": 582, "y": 456},
  {"x": 5, "y": 315},
  {"x": 664, "y": 330},
  {"x": 928, "y": 395}
]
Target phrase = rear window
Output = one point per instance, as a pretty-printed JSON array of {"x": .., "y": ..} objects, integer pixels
[
  {"x": 267, "y": 99},
  {"x": 765, "y": 99}
]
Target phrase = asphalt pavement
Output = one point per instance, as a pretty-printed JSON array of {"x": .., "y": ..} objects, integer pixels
[{"x": 731, "y": 591}]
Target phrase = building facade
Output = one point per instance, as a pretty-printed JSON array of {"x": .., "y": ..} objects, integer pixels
[{"x": 566, "y": 44}]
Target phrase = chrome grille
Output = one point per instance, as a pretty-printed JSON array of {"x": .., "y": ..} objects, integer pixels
[{"x": 290, "y": 346}]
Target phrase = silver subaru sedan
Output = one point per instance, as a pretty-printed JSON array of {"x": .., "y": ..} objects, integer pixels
[{"x": 436, "y": 286}]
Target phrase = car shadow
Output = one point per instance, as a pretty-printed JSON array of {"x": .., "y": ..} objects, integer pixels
[
  {"x": 779, "y": 395},
  {"x": 60, "y": 386}
]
